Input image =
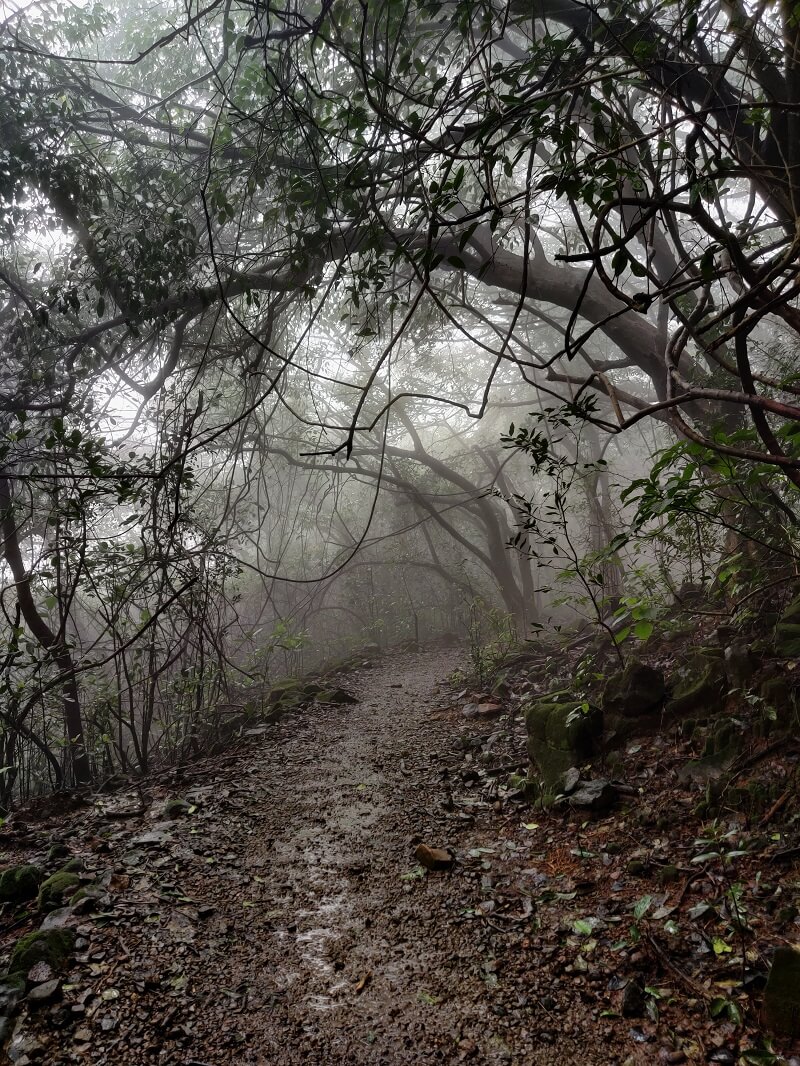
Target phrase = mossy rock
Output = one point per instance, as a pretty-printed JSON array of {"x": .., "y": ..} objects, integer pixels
[
  {"x": 175, "y": 807},
  {"x": 668, "y": 874},
  {"x": 287, "y": 689},
  {"x": 12, "y": 987},
  {"x": 782, "y": 994},
  {"x": 57, "y": 851},
  {"x": 561, "y": 734},
  {"x": 292, "y": 692},
  {"x": 87, "y": 892},
  {"x": 334, "y": 695},
  {"x": 740, "y": 665},
  {"x": 50, "y": 945},
  {"x": 723, "y": 743},
  {"x": 700, "y": 688},
  {"x": 20, "y": 883},
  {"x": 636, "y": 690},
  {"x": 781, "y": 704},
  {"x": 55, "y": 888}
]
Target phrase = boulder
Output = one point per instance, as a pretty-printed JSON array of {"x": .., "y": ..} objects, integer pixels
[
  {"x": 700, "y": 687},
  {"x": 723, "y": 745},
  {"x": 562, "y": 732},
  {"x": 636, "y": 690},
  {"x": 20, "y": 883}
]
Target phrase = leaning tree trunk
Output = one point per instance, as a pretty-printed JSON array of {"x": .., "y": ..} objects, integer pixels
[{"x": 54, "y": 645}]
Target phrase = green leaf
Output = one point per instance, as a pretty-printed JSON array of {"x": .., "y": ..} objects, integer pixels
[{"x": 642, "y": 907}]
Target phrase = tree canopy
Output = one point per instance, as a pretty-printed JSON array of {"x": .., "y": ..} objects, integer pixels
[{"x": 238, "y": 235}]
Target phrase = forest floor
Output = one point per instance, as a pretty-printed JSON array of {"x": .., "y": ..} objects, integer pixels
[{"x": 282, "y": 918}]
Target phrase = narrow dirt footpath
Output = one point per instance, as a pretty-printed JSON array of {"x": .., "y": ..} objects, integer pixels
[{"x": 283, "y": 919}]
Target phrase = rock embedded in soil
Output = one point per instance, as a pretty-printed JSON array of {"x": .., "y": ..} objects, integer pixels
[
  {"x": 47, "y": 992},
  {"x": 55, "y": 888},
  {"x": 57, "y": 851},
  {"x": 175, "y": 807},
  {"x": 561, "y": 734},
  {"x": 40, "y": 973},
  {"x": 700, "y": 687},
  {"x": 52, "y": 946},
  {"x": 597, "y": 795},
  {"x": 633, "y": 999}
]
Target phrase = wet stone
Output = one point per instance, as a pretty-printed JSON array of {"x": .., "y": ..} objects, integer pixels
[{"x": 47, "y": 992}]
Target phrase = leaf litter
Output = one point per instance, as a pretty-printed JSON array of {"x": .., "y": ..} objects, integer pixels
[{"x": 279, "y": 916}]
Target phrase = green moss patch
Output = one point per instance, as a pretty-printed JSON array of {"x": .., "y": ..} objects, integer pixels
[
  {"x": 52, "y": 946},
  {"x": 20, "y": 883},
  {"x": 561, "y": 733},
  {"x": 700, "y": 689},
  {"x": 55, "y": 888}
]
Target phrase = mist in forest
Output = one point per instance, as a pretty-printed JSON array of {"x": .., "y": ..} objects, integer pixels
[{"x": 329, "y": 331}]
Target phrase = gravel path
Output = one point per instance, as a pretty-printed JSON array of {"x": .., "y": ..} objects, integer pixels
[{"x": 284, "y": 920}]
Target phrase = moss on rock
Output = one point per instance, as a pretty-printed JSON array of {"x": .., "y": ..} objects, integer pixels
[
  {"x": 561, "y": 733},
  {"x": 57, "y": 851},
  {"x": 700, "y": 688},
  {"x": 55, "y": 888},
  {"x": 334, "y": 695},
  {"x": 20, "y": 883},
  {"x": 175, "y": 807},
  {"x": 51, "y": 945}
]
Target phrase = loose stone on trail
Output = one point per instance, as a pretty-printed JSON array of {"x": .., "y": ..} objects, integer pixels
[{"x": 433, "y": 858}]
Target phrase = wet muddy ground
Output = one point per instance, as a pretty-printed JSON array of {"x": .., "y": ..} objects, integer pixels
[{"x": 282, "y": 918}]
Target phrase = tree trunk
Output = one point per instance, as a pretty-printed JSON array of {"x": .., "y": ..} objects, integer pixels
[{"x": 55, "y": 646}]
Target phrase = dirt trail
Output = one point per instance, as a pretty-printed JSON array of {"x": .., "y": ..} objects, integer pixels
[{"x": 284, "y": 920}]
